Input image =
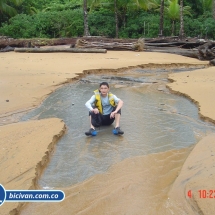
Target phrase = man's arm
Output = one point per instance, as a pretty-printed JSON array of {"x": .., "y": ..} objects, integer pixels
[
  {"x": 119, "y": 106},
  {"x": 89, "y": 103}
]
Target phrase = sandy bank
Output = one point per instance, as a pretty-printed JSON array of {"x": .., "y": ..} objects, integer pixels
[
  {"x": 25, "y": 151},
  {"x": 199, "y": 86}
]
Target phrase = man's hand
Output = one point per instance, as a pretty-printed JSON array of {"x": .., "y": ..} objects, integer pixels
[
  {"x": 95, "y": 110},
  {"x": 112, "y": 115}
]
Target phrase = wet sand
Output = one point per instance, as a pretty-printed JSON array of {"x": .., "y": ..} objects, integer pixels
[
  {"x": 134, "y": 186},
  {"x": 26, "y": 79}
]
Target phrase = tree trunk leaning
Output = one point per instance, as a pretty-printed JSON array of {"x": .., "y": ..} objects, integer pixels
[
  {"x": 86, "y": 26},
  {"x": 181, "y": 33},
  {"x": 116, "y": 18},
  {"x": 161, "y": 18},
  {"x": 214, "y": 9}
]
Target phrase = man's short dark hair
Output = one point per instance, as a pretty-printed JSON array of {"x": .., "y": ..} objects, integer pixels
[{"x": 104, "y": 83}]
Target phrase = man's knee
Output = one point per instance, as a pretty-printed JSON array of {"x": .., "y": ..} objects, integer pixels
[{"x": 96, "y": 119}]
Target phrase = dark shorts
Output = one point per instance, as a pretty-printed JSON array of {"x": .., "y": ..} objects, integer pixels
[{"x": 99, "y": 119}]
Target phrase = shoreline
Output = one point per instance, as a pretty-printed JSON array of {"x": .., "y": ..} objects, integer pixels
[{"x": 77, "y": 75}]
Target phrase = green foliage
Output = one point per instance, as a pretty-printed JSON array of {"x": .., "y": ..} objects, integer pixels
[
  {"x": 143, "y": 24},
  {"x": 58, "y": 6},
  {"x": 195, "y": 5},
  {"x": 21, "y": 26},
  {"x": 101, "y": 23},
  {"x": 202, "y": 27},
  {"x": 64, "y": 18},
  {"x": 147, "y": 4},
  {"x": 206, "y": 5},
  {"x": 173, "y": 10},
  {"x": 199, "y": 7},
  {"x": 45, "y": 24},
  {"x": 8, "y": 7}
]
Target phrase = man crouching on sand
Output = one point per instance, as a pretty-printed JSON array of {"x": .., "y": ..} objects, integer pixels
[{"x": 104, "y": 107}]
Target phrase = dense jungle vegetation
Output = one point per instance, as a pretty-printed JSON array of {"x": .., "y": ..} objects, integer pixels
[{"x": 110, "y": 18}]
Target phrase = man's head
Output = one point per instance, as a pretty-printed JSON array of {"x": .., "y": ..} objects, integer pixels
[{"x": 104, "y": 88}]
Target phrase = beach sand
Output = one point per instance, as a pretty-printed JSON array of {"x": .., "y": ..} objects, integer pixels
[{"x": 26, "y": 79}]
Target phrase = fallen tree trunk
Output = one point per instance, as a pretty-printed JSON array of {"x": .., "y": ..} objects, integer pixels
[
  {"x": 169, "y": 44},
  {"x": 161, "y": 39},
  {"x": 135, "y": 46},
  {"x": 175, "y": 50},
  {"x": 180, "y": 44},
  {"x": 72, "y": 50}
]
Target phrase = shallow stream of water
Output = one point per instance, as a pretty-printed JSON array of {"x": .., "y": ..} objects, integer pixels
[{"x": 153, "y": 121}]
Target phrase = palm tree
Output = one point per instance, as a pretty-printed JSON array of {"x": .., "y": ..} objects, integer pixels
[
  {"x": 161, "y": 18},
  {"x": 7, "y": 9},
  {"x": 207, "y": 5},
  {"x": 173, "y": 12},
  {"x": 86, "y": 26},
  {"x": 181, "y": 33},
  {"x": 147, "y": 4}
]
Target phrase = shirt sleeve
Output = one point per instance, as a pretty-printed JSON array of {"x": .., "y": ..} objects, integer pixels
[
  {"x": 89, "y": 103},
  {"x": 116, "y": 99}
]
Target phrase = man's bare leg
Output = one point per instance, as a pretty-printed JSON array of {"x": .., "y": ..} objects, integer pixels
[
  {"x": 91, "y": 126},
  {"x": 117, "y": 120}
]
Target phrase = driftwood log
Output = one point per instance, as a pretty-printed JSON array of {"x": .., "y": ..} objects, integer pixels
[
  {"x": 52, "y": 49},
  {"x": 175, "y": 50},
  {"x": 207, "y": 51},
  {"x": 134, "y": 46}
]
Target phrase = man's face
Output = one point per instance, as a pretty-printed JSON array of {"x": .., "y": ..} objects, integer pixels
[{"x": 104, "y": 90}]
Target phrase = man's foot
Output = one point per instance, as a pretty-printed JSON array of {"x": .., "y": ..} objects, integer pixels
[
  {"x": 118, "y": 131},
  {"x": 92, "y": 132}
]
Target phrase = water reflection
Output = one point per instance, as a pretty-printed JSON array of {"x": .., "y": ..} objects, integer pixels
[{"x": 153, "y": 121}]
